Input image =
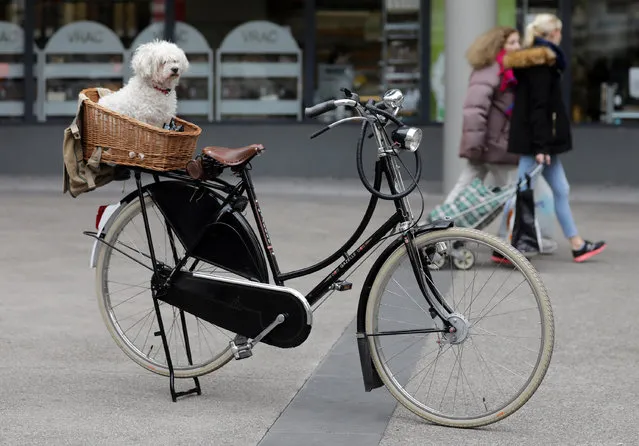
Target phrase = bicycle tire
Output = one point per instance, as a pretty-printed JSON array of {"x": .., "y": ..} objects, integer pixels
[
  {"x": 130, "y": 211},
  {"x": 541, "y": 297}
]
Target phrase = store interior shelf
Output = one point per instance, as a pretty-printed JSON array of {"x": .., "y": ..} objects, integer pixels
[
  {"x": 198, "y": 69},
  {"x": 192, "y": 107},
  {"x": 392, "y": 62},
  {"x": 401, "y": 46},
  {"x": 401, "y": 27},
  {"x": 250, "y": 51},
  {"x": 13, "y": 71},
  {"x": 259, "y": 107},
  {"x": 60, "y": 108},
  {"x": 402, "y": 77},
  {"x": 83, "y": 71},
  {"x": 399, "y": 37},
  {"x": 12, "y": 108},
  {"x": 259, "y": 69}
]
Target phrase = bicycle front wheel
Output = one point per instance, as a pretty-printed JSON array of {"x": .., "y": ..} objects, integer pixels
[{"x": 500, "y": 348}]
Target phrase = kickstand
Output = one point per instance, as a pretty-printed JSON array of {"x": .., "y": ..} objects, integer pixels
[
  {"x": 154, "y": 291},
  {"x": 175, "y": 395}
]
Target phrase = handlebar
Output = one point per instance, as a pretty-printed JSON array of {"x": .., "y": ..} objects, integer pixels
[
  {"x": 378, "y": 108},
  {"x": 319, "y": 109},
  {"x": 376, "y": 115},
  {"x": 323, "y": 107}
]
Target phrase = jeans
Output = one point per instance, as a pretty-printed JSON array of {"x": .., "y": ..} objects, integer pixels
[{"x": 556, "y": 178}]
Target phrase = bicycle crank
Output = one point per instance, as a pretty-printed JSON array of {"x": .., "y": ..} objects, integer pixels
[{"x": 242, "y": 347}]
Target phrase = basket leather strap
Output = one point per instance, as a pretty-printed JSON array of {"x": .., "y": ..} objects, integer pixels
[
  {"x": 75, "y": 129},
  {"x": 89, "y": 175}
]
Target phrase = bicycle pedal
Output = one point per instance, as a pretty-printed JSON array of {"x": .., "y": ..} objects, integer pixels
[
  {"x": 342, "y": 285},
  {"x": 241, "y": 348}
]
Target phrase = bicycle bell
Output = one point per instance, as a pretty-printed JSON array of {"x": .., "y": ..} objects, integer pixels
[{"x": 393, "y": 98}]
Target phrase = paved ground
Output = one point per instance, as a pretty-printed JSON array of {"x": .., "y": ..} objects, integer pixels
[{"x": 64, "y": 381}]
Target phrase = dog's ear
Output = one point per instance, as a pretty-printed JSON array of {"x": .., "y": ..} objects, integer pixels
[
  {"x": 142, "y": 62},
  {"x": 184, "y": 63}
]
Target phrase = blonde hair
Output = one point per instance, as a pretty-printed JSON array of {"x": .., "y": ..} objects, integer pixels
[
  {"x": 541, "y": 26},
  {"x": 485, "y": 48}
]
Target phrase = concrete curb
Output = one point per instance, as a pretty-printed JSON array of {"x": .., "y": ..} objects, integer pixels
[{"x": 314, "y": 187}]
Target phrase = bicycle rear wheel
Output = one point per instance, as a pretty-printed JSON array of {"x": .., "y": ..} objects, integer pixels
[
  {"x": 501, "y": 348},
  {"x": 123, "y": 286}
]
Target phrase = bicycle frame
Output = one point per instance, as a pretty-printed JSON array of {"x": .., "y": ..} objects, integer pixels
[
  {"x": 401, "y": 219},
  {"x": 401, "y": 216},
  {"x": 350, "y": 259}
]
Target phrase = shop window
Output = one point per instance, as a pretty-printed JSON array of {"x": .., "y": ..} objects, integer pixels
[
  {"x": 259, "y": 56},
  {"x": 605, "y": 61},
  {"x": 348, "y": 50},
  {"x": 11, "y": 60},
  {"x": 509, "y": 12},
  {"x": 369, "y": 46},
  {"x": 82, "y": 44}
]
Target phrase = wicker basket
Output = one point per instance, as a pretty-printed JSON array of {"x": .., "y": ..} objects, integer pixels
[{"x": 130, "y": 142}]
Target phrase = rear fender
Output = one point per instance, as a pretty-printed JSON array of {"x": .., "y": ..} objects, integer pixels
[
  {"x": 369, "y": 373},
  {"x": 235, "y": 235},
  {"x": 107, "y": 219}
]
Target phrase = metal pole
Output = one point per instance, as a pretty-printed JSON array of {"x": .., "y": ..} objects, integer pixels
[
  {"x": 565, "y": 14},
  {"x": 424, "y": 43},
  {"x": 169, "y": 20},
  {"x": 29, "y": 78},
  {"x": 310, "y": 40},
  {"x": 465, "y": 20}
]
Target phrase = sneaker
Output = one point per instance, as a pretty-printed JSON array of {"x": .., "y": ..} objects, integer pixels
[
  {"x": 499, "y": 259},
  {"x": 588, "y": 251},
  {"x": 528, "y": 252}
]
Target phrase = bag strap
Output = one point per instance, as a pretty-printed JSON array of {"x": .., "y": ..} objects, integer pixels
[{"x": 75, "y": 129}]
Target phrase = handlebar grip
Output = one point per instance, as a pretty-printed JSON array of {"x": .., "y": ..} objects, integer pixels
[{"x": 319, "y": 109}]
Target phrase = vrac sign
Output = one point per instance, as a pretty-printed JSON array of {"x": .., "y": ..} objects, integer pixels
[
  {"x": 85, "y": 36},
  {"x": 185, "y": 36},
  {"x": 259, "y": 36},
  {"x": 11, "y": 38}
]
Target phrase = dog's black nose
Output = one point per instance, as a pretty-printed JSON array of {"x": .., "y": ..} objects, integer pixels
[{"x": 175, "y": 70}]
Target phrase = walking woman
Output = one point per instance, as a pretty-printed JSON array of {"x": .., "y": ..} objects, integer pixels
[
  {"x": 487, "y": 109},
  {"x": 540, "y": 127}
]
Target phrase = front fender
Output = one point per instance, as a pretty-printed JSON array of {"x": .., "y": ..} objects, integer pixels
[{"x": 369, "y": 373}]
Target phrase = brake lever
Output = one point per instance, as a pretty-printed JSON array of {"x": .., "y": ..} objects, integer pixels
[
  {"x": 370, "y": 102},
  {"x": 319, "y": 132}
]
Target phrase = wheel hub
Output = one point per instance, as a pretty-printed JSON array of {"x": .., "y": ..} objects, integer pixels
[{"x": 458, "y": 331}]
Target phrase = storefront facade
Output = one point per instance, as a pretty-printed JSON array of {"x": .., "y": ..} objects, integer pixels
[{"x": 255, "y": 67}]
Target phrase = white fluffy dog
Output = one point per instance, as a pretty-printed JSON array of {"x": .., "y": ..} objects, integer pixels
[{"x": 149, "y": 96}]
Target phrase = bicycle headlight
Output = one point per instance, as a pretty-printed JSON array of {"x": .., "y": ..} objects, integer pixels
[{"x": 408, "y": 138}]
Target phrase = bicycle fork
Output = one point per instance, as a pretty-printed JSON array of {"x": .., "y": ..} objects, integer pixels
[{"x": 438, "y": 307}]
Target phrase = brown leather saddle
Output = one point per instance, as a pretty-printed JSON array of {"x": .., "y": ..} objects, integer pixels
[{"x": 219, "y": 158}]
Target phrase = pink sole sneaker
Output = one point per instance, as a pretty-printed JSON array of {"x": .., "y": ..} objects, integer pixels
[
  {"x": 590, "y": 254},
  {"x": 500, "y": 260}
]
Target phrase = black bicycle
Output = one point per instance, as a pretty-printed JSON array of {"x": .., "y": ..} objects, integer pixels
[{"x": 183, "y": 283}]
